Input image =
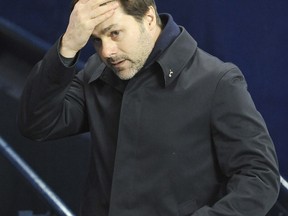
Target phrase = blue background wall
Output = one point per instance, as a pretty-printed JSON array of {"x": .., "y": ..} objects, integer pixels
[{"x": 250, "y": 33}]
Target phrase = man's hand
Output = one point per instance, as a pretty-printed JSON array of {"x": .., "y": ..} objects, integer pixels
[{"x": 86, "y": 15}]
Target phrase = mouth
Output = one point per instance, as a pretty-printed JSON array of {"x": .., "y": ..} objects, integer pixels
[{"x": 118, "y": 64}]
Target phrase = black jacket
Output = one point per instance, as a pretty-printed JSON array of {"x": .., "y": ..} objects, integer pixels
[{"x": 182, "y": 138}]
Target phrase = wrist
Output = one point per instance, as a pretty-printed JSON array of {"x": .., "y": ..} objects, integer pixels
[{"x": 65, "y": 51}]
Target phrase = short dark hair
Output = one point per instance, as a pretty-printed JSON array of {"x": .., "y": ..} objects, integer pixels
[{"x": 135, "y": 8}]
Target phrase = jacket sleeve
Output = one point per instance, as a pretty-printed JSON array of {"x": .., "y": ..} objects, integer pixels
[
  {"x": 52, "y": 103},
  {"x": 245, "y": 152}
]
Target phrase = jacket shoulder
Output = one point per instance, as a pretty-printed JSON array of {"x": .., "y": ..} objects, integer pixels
[
  {"x": 213, "y": 65},
  {"x": 92, "y": 69}
]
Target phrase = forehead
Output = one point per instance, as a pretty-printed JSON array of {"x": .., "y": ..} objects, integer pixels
[{"x": 118, "y": 20}]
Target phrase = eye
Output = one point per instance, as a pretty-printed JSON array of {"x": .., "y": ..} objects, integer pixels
[{"x": 115, "y": 34}]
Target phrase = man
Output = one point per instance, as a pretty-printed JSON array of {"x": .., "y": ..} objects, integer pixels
[{"x": 174, "y": 130}]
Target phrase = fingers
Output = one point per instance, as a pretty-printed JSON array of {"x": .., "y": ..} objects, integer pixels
[
  {"x": 86, "y": 15},
  {"x": 96, "y": 4},
  {"x": 106, "y": 2},
  {"x": 100, "y": 3},
  {"x": 103, "y": 13},
  {"x": 104, "y": 7},
  {"x": 95, "y": 8}
]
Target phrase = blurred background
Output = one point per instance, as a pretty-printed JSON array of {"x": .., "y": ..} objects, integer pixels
[{"x": 251, "y": 34}]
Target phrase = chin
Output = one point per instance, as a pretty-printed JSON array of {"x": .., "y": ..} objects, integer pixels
[{"x": 126, "y": 75}]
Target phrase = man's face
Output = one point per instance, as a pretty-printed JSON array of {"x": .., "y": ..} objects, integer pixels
[{"x": 123, "y": 44}]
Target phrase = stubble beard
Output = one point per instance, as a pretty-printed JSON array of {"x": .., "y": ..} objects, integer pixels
[{"x": 138, "y": 60}]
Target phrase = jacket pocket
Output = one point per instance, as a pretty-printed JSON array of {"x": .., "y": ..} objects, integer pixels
[{"x": 187, "y": 208}]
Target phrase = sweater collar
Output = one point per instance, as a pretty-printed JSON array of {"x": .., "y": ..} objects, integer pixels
[{"x": 169, "y": 33}]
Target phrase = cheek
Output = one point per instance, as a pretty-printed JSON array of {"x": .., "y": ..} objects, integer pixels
[
  {"x": 126, "y": 47},
  {"x": 131, "y": 46}
]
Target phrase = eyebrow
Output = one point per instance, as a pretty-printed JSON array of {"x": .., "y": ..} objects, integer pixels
[{"x": 107, "y": 29}]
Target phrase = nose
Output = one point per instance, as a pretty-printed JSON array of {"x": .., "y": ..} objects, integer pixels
[{"x": 108, "y": 49}]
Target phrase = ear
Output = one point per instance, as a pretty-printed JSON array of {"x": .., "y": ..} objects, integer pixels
[{"x": 150, "y": 19}]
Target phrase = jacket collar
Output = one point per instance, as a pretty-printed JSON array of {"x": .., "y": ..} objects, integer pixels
[
  {"x": 169, "y": 33},
  {"x": 174, "y": 59},
  {"x": 95, "y": 66}
]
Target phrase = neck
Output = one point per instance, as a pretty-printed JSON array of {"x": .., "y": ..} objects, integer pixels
[{"x": 157, "y": 33}]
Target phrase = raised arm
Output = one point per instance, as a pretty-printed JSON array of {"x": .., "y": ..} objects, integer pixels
[{"x": 53, "y": 100}]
